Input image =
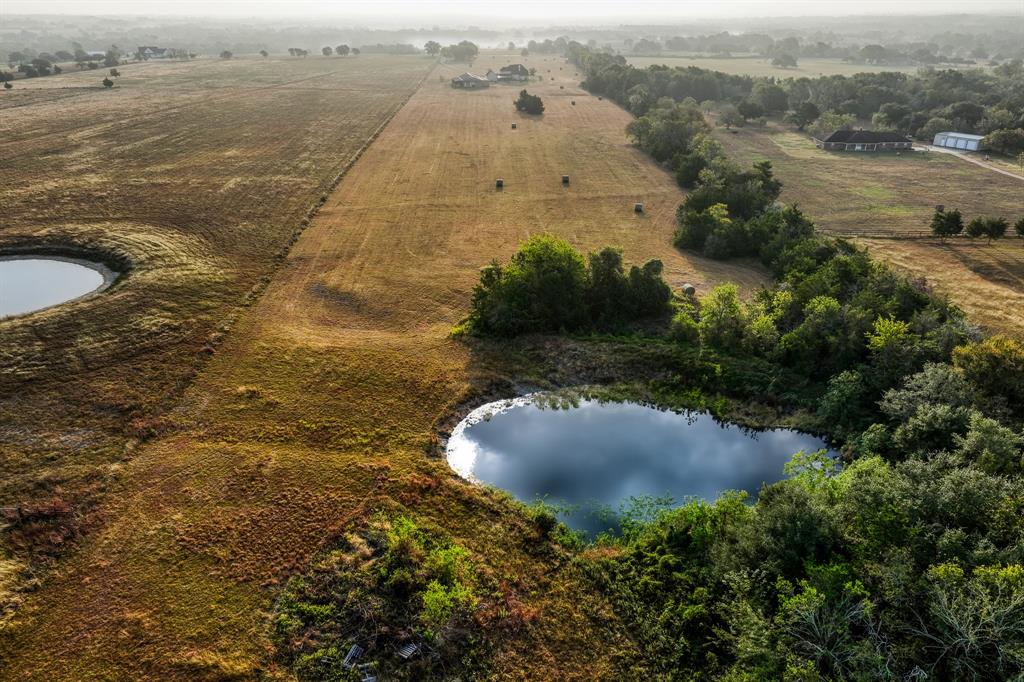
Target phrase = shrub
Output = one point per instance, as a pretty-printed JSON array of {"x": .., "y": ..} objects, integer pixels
[
  {"x": 995, "y": 367},
  {"x": 722, "y": 318},
  {"x": 529, "y": 104}
]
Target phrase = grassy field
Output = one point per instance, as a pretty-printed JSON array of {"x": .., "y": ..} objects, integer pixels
[
  {"x": 759, "y": 66},
  {"x": 192, "y": 178},
  {"x": 320, "y": 405},
  {"x": 850, "y": 194}
]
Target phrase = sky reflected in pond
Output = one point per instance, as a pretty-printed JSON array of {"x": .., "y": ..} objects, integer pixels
[
  {"x": 595, "y": 457},
  {"x": 30, "y": 284}
]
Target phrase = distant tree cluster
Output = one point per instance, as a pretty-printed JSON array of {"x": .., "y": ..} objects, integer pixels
[
  {"x": 932, "y": 101},
  {"x": 298, "y": 52},
  {"x": 784, "y": 61},
  {"x": 465, "y": 51}
]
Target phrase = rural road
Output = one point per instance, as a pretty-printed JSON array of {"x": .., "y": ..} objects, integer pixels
[{"x": 970, "y": 159}]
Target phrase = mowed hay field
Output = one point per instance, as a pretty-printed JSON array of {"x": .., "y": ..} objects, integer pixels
[
  {"x": 322, "y": 403},
  {"x": 195, "y": 176},
  {"x": 866, "y": 194}
]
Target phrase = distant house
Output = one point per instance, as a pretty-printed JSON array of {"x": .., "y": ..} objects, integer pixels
[
  {"x": 863, "y": 141},
  {"x": 151, "y": 52},
  {"x": 491, "y": 76},
  {"x": 470, "y": 81},
  {"x": 963, "y": 141},
  {"x": 513, "y": 72}
]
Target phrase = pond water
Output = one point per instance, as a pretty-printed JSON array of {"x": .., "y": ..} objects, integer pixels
[
  {"x": 592, "y": 458},
  {"x": 28, "y": 284}
]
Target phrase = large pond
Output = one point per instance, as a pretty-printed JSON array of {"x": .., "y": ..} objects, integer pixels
[
  {"x": 30, "y": 283},
  {"x": 591, "y": 459}
]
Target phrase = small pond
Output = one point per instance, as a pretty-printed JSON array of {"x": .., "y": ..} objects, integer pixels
[
  {"x": 592, "y": 458},
  {"x": 30, "y": 283}
]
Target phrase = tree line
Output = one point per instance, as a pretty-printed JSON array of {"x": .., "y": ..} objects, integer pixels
[{"x": 972, "y": 101}]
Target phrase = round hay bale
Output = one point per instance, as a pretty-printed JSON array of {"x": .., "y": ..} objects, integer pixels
[{"x": 689, "y": 289}]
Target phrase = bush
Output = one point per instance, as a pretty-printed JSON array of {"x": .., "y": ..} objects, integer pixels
[
  {"x": 995, "y": 367},
  {"x": 529, "y": 104},
  {"x": 722, "y": 318}
]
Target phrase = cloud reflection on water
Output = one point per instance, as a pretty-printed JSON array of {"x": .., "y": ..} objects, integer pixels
[{"x": 601, "y": 455}]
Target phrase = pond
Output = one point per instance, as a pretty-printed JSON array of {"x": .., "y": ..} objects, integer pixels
[
  {"x": 31, "y": 283},
  {"x": 590, "y": 459}
]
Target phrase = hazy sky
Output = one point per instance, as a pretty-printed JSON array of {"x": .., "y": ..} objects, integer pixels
[{"x": 410, "y": 12}]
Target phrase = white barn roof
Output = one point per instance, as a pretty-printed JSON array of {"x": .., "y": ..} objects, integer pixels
[
  {"x": 963, "y": 136},
  {"x": 469, "y": 78}
]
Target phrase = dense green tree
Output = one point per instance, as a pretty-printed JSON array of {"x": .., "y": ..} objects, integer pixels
[
  {"x": 432, "y": 47},
  {"x": 529, "y": 104},
  {"x": 340, "y": 50},
  {"x": 1007, "y": 141},
  {"x": 785, "y": 61},
  {"x": 749, "y": 109},
  {"x": 995, "y": 228},
  {"x": 770, "y": 96},
  {"x": 722, "y": 318},
  {"x": 995, "y": 367},
  {"x": 464, "y": 51},
  {"x": 947, "y": 223},
  {"x": 976, "y": 228},
  {"x": 803, "y": 115},
  {"x": 730, "y": 117}
]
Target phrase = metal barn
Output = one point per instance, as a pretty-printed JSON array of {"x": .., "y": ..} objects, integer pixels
[{"x": 962, "y": 141}]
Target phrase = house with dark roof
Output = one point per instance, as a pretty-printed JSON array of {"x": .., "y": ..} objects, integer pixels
[
  {"x": 863, "y": 141},
  {"x": 470, "y": 81},
  {"x": 513, "y": 72}
]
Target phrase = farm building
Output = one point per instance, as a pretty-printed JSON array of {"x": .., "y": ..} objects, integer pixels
[
  {"x": 470, "y": 81},
  {"x": 970, "y": 143},
  {"x": 491, "y": 76},
  {"x": 863, "y": 141},
  {"x": 514, "y": 72},
  {"x": 151, "y": 52}
]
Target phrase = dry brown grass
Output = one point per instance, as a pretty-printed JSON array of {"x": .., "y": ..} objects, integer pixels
[
  {"x": 197, "y": 175},
  {"x": 320, "y": 405},
  {"x": 847, "y": 194}
]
